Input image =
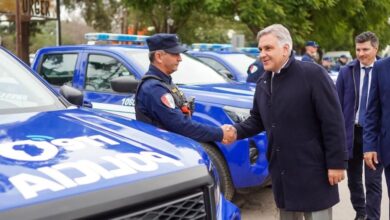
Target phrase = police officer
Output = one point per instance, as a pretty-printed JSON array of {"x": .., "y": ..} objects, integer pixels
[
  {"x": 311, "y": 48},
  {"x": 255, "y": 70},
  {"x": 158, "y": 100},
  {"x": 327, "y": 63},
  {"x": 341, "y": 61}
]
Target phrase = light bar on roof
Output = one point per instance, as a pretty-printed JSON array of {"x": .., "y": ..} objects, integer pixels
[
  {"x": 249, "y": 49},
  {"x": 207, "y": 46},
  {"x": 115, "y": 37}
]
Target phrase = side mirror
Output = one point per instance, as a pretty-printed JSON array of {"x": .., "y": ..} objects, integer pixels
[
  {"x": 124, "y": 84},
  {"x": 73, "y": 95},
  {"x": 227, "y": 73}
]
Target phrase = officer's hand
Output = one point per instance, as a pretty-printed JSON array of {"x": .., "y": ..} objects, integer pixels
[
  {"x": 335, "y": 176},
  {"x": 371, "y": 159},
  {"x": 229, "y": 134}
]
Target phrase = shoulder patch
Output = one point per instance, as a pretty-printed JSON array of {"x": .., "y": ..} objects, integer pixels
[
  {"x": 253, "y": 68},
  {"x": 167, "y": 100}
]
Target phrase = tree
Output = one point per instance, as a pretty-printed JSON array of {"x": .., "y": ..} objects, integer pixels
[
  {"x": 333, "y": 23},
  {"x": 257, "y": 14},
  {"x": 158, "y": 12},
  {"x": 97, "y": 13}
]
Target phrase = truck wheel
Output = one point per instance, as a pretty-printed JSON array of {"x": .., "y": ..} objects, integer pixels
[{"x": 225, "y": 179}]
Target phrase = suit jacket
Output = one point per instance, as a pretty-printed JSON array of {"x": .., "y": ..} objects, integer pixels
[
  {"x": 306, "y": 134},
  {"x": 347, "y": 85},
  {"x": 348, "y": 89},
  {"x": 377, "y": 124}
]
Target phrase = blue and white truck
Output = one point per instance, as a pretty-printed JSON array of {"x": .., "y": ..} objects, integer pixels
[
  {"x": 218, "y": 100},
  {"x": 62, "y": 161}
]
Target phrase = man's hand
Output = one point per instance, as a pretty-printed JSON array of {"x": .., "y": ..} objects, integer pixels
[
  {"x": 335, "y": 176},
  {"x": 229, "y": 134},
  {"x": 371, "y": 159}
]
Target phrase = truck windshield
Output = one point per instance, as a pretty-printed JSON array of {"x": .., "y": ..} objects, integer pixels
[
  {"x": 190, "y": 70},
  {"x": 21, "y": 91}
]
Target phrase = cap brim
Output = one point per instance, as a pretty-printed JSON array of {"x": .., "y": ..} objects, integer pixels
[{"x": 177, "y": 49}]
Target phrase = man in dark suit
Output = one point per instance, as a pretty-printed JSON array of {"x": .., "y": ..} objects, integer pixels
[
  {"x": 353, "y": 87},
  {"x": 296, "y": 103},
  {"x": 376, "y": 145}
]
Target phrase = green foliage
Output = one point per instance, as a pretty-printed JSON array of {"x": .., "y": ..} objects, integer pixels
[
  {"x": 332, "y": 23},
  {"x": 157, "y": 12},
  {"x": 46, "y": 36},
  {"x": 97, "y": 13}
]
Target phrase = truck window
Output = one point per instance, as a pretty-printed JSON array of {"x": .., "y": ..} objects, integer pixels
[
  {"x": 217, "y": 66},
  {"x": 101, "y": 69},
  {"x": 58, "y": 69}
]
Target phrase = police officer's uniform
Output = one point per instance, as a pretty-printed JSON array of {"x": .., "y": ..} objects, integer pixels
[
  {"x": 255, "y": 70},
  {"x": 159, "y": 102},
  {"x": 306, "y": 57}
]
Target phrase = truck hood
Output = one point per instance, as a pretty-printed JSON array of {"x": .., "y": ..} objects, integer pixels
[
  {"x": 50, "y": 155},
  {"x": 233, "y": 94}
]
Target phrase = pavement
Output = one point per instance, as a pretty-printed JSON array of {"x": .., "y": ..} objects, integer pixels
[{"x": 258, "y": 204}]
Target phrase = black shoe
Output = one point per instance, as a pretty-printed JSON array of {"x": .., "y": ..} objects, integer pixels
[{"x": 360, "y": 217}]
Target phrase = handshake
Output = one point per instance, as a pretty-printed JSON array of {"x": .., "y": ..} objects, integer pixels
[{"x": 229, "y": 134}]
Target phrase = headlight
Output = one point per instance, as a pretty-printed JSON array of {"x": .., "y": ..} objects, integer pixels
[
  {"x": 217, "y": 190},
  {"x": 237, "y": 114}
]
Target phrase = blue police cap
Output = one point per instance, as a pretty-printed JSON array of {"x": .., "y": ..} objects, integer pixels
[
  {"x": 311, "y": 43},
  {"x": 327, "y": 58},
  {"x": 343, "y": 56},
  {"x": 167, "y": 42}
]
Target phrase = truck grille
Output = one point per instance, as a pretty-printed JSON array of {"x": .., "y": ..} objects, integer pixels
[{"x": 188, "y": 207}]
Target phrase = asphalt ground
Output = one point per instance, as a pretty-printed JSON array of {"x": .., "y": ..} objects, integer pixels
[{"x": 258, "y": 204}]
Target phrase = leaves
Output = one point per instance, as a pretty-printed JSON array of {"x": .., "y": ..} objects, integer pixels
[{"x": 332, "y": 23}]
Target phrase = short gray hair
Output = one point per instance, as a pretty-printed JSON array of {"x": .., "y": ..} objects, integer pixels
[{"x": 280, "y": 32}]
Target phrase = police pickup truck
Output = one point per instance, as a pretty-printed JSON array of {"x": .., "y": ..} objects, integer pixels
[
  {"x": 232, "y": 62},
  {"x": 60, "y": 161},
  {"x": 218, "y": 100}
]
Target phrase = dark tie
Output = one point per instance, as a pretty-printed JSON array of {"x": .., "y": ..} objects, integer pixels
[{"x": 363, "y": 100}]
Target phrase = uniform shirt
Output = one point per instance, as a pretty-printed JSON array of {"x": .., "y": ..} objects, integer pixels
[
  {"x": 307, "y": 58},
  {"x": 362, "y": 72},
  {"x": 149, "y": 101},
  {"x": 255, "y": 70}
]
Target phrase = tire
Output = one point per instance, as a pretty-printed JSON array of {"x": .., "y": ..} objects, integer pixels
[{"x": 225, "y": 179}]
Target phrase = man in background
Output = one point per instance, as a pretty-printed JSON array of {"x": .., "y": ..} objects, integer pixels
[
  {"x": 311, "y": 48},
  {"x": 353, "y": 85}
]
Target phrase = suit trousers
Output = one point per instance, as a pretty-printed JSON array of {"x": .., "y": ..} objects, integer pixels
[
  {"x": 325, "y": 214},
  {"x": 364, "y": 204}
]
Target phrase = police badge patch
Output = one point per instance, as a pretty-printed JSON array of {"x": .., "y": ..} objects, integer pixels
[
  {"x": 167, "y": 100},
  {"x": 252, "y": 69}
]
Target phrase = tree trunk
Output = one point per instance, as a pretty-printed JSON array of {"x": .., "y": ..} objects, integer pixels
[{"x": 25, "y": 42}]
